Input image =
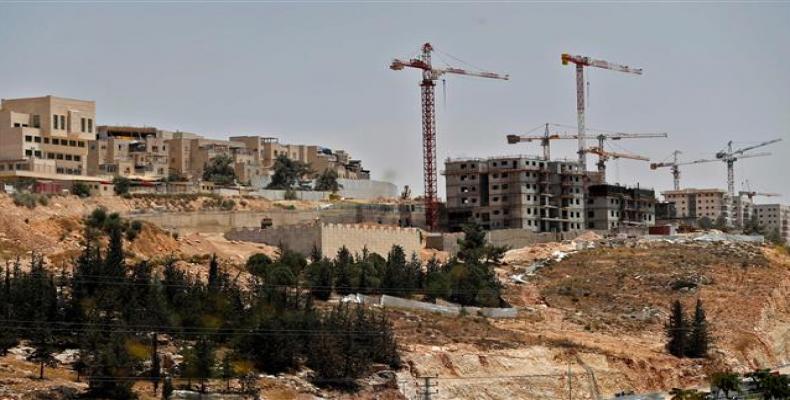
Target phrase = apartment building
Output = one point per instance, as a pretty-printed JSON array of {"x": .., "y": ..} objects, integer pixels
[
  {"x": 699, "y": 203},
  {"x": 515, "y": 192},
  {"x": 267, "y": 149},
  {"x": 610, "y": 207},
  {"x": 46, "y": 136},
  {"x": 774, "y": 217},
  {"x": 133, "y": 152}
]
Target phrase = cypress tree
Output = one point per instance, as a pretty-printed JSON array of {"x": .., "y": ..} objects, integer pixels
[
  {"x": 677, "y": 331},
  {"x": 213, "y": 273},
  {"x": 204, "y": 362},
  {"x": 699, "y": 338},
  {"x": 343, "y": 271},
  {"x": 156, "y": 368}
]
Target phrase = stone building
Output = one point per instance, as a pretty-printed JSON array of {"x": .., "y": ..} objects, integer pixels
[
  {"x": 515, "y": 192},
  {"x": 47, "y": 135},
  {"x": 699, "y": 203},
  {"x": 774, "y": 217},
  {"x": 610, "y": 207}
]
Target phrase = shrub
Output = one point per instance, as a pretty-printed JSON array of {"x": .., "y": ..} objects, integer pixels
[
  {"x": 80, "y": 189},
  {"x": 121, "y": 185},
  {"x": 25, "y": 199}
]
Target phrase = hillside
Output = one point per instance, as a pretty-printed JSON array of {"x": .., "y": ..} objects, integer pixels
[{"x": 600, "y": 313}]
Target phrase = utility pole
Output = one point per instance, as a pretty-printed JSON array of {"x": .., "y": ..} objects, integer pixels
[{"x": 427, "y": 389}]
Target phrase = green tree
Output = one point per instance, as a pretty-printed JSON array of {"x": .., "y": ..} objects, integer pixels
[
  {"x": 288, "y": 174},
  {"x": 227, "y": 370},
  {"x": 343, "y": 278},
  {"x": 156, "y": 367},
  {"x": 258, "y": 263},
  {"x": 705, "y": 223},
  {"x": 220, "y": 170},
  {"x": 699, "y": 336},
  {"x": 121, "y": 185},
  {"x": 686, "y": 394},
  {"x": 80, "y": 189},
  {"x": 204, "y": 362},
  {"x": 773, "y": 236},
  {"x": 726, "y": 382},
  {"x": 677, "y": 331},
  {"x": 319, "y": 276},
  {"x": 327, "y": 181}
]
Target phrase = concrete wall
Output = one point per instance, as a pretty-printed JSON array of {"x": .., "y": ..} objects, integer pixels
[
  {"x": 300, "y": 194},
  {"x": 329, "y": 238},
  {"x": 367, "y": 189}
]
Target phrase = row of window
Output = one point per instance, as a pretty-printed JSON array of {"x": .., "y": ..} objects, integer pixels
[
  {"x": 53, "y": 156},
  {"x": 54, "y": 141}
]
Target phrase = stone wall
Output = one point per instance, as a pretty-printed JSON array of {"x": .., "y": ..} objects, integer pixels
[
  {"x": 223, "y": 221},
  {"x": 299, "y": 238},
  {"x": 329, "y": 238},
  {"x": 376, "y": 238}
]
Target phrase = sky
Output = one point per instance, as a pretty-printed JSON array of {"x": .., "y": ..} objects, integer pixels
[{"x": 317, "y": 73}]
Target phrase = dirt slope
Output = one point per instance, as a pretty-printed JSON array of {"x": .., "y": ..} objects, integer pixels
[{"x": 600, "y": 313}]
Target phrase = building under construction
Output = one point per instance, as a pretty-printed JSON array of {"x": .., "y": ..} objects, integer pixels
[
  {"x": 524, "y": 192},
  {"x": 611, "y": 207}
]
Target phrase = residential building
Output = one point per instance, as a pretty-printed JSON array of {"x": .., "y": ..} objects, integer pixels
[
  {"x": 46, "y": 135},
  {"x": 774, "y": 217},
  {"x": 699, "y": 203},
  {"x": 132, "y": 152},
  {"x": 515, "y": 192},
  {"x": 267, "y": 149},
  {"x": 610, "y": 207}
]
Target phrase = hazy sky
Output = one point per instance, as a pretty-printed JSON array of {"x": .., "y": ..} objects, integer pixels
[{"x": 318, "y": 74}]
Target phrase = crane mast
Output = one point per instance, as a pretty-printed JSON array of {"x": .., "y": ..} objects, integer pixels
[
  {"x": 581, "y": 62},
  {"x": 730, "y": 156},
  {"x": 427, "y": 85},
  {"x": 675, "y": 167}
]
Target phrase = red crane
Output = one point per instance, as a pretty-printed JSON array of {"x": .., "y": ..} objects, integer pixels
[{"x": 429, "y": 76}]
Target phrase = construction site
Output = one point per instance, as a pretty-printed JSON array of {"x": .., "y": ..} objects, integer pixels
[{"x": 139, "y": 262}]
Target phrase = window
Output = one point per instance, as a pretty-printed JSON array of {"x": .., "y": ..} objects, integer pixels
[
  {"x": 77, "y": 158},
  {"x": 63, "y": 122},
  {"x": 73, "y": 143},
  {"x": 37, "y": 139},
  {"x": 28, "y": 138},
  {"x": 68, "y": 157},
  {"x": 37, "y": 153},
  {"x": 55, "y": 141},
  {"x": 59, "y": 156},
  {"x": 46, "y": 140},
  {"x": 36, "y": 121},
  {"x": 82, "y": 124},
  {"x": 50, "y": 156},
  {"x": 80, "y": 143},
  {"x": 90, "y": 125},
  {"x": 55, "y": 120},
  {"x": 28, "y": 152}
]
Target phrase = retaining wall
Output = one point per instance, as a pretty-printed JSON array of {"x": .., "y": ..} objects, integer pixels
[
  {"x": 450, "y": 309},
  {"x": 329, "y": 238}
]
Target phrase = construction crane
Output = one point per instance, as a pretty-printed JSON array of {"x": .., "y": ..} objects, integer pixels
[
  {"x": 752, "y": 193},
  {"x": 582, "y": 62},
  {"x": 675, "y": 165},
  {"x": 730, "y": 156},
  {"x": 603, "y": 155},
  {"x": 429, "y": 75}
]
